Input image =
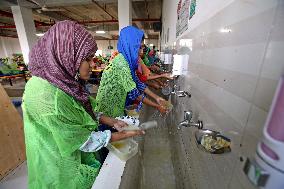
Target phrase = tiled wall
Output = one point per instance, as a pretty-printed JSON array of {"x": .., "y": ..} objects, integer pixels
[{"x": 232, "y": 77}]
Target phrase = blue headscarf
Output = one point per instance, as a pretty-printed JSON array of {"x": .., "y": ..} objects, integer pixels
[{"x": 129, "y": 44}]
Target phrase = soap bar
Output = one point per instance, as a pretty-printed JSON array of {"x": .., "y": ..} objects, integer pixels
[
  {"x": 148, "y": 125},
  {"x": 129, "y": 120}
]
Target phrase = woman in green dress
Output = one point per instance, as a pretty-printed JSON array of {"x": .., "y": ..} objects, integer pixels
[
  {"x": 59, "y": 122},
  {"x": 120, "y": 85}
]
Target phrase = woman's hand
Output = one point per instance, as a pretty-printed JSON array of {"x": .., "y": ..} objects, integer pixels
[
  {"x": 125, "y": 134},
  {"x": 118, "y": 125},
  {"x": 162, "y": 109},
  {"x": 111, "y": 122},
  {"x": 155, "y": 68},
  {"x": 160, "y": 100},
  {"x": 167, "y": 75}
]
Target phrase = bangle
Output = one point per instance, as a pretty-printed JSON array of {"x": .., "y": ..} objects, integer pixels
[
  {"x": 140, "y": 103},
  {"x": 98, "y": 115},
  {"x": 143, "y": 97}
]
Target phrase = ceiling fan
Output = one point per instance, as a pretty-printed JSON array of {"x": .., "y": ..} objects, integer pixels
[{"x": 44, "y": 8}]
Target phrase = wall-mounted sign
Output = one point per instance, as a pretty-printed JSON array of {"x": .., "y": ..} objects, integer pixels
[
  {"x": 185, "y": 11},
  {"x": 192, "y": 8},
  {"x": 182, "y": 16}
]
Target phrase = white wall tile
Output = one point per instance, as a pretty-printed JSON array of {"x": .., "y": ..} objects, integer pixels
[
  {"x": 233, "y": 76},
  {"x": 256, "y": 121},
  {"x": 244, "y": 59},
  {"x": 237, "y": 83},
  {"x": 273, "y": 66}
]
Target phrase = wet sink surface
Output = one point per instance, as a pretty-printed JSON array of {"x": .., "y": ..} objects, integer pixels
[
  {"x": 157, "y": 166},
  {"x": 152, "y": 167}
]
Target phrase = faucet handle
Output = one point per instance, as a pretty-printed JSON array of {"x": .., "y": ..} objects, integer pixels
[
  {"x": 187, "y": 94},
  {"x": 187, "y": 115},
  {"x": 200, "y": 124},
  {"x": 183, "y": 94},
  {"x": 176, "y": 87}
]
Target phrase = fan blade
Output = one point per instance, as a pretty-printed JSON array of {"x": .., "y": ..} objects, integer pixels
[{"x": 52, "y": 9}]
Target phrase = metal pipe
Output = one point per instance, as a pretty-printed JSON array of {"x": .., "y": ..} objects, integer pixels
[
  {"x": 15, "y": 36},
  {"x": 10, "y": 30},
  {"x": 146, "y": 7},
  {"x": 10, "y": 15},
  {"x": 97, "y": 21},
  {"x": 116, "y": 21},
  {"x": 7, "y": 26},
  {"x": 147, "y": 20},
  {"x": 40, "y": 24},
  {"x": 78, "y": 15},
  {"x": 6, "y": 14},
  {"x": 112, "y": 17},
  {"x": 12, "y": 36}
]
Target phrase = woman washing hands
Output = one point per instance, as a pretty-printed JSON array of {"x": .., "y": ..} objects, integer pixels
[
  {"x": 60, "y": 123},
  {"x": 146, "y": 76},
  {"x": 119, "y": 84}
]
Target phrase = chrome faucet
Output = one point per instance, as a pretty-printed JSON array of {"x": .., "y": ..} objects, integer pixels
[
  {"x": 176, "y": 91},
  {"x": 188, "y": 123},
  {"x": 183, "y": 94}
]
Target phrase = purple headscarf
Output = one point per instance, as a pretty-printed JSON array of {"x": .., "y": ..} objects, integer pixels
[{"x": 56, "y": 57}]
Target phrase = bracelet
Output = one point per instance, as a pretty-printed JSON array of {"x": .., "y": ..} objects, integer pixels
[
  {"x": 143, "y": 97},
  {"x": 98, "y": 115},
  {"x": 140, "y": 103}
]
